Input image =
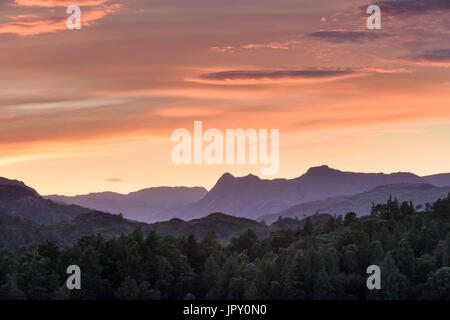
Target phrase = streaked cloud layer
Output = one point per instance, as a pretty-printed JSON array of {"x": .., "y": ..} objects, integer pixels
[
  {"x": 102, "y": 101},
  {"x": 270, "y": 76},
  {"x": 342, "y": 35},
  {"x": 437, "y": 57},
  {"x": 406, "y": 7}
]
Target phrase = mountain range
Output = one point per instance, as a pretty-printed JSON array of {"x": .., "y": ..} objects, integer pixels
[
  {"x": 249, "y": 196},
  {"x": 143, "y": 205},
  {"x": 232, "y": 206},
  {"x": 319, "y": 190},
  {"x": 253, "y": 197}
]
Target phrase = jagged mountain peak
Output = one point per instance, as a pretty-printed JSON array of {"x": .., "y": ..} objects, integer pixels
[
  {"x": 226, "y": 177},
  {"x": 228, "y": 180}
]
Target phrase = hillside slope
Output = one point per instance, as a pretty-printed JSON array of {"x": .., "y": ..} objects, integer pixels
[
  {"x": 439, "y": 180},
  {"x": 19, "y": 200}
]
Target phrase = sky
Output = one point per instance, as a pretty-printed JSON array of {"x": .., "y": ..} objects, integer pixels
[{"x": 94, "y": 109}]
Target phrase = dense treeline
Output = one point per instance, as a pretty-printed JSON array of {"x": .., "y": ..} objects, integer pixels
[{"x": 326, "y": 262}]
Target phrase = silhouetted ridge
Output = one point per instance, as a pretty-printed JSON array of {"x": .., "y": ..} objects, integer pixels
[{"x": 321, "y": 171}]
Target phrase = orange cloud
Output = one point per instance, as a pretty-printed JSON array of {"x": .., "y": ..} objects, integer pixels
[
  {"x": 388, "y": 70},
  {"x": 27, "y": 25},
  {"x": 58, "y": 3},
  {"x": 285, "y": 45},
  {"x": 100, "y": 12}
]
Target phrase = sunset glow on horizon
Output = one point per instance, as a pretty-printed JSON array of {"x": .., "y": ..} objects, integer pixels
[{"x": 93, "y": 109}]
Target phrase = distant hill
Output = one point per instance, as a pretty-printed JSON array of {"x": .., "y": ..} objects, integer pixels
[
  {"x": 225, "y": 227},
  {"x": 142, "y": 205},
  {"x": 109, "y": 225},
  {"x": 17, "y": 199},
  {"x": 97, "y": 222},
  {"x": 439, "y": 180},
  {"x": 252, "y": 197},
  {"x": 16, "y": 232},
  {"x": 361, "y": 203}
]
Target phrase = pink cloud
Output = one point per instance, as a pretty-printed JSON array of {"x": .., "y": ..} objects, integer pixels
[{"x": 115, "y": 180}]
